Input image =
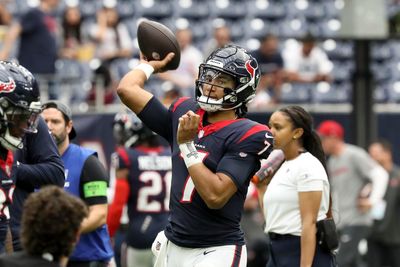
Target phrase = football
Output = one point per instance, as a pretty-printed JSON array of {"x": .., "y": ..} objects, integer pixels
[{"x": 156, "y": 41}]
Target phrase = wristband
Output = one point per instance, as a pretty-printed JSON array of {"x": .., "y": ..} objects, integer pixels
[
  {"x": 146, "y": 68},
  {"x": 190, "y": 154}
]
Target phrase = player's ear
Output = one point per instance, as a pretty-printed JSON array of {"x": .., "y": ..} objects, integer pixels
[{"x": 69, "y": 126}]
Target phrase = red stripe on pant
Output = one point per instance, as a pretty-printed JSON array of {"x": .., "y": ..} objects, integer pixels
[{"x": 237, "y": 256}]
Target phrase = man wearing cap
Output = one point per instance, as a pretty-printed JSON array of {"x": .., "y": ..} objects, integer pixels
[
  {"x": 358, "y": 185},
  {"x": 85, "y": 177}
]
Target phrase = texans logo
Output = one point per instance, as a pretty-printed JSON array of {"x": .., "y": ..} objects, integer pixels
[
  {"x": 250, "y": 68},
  {"x": 7, "y": 87}
]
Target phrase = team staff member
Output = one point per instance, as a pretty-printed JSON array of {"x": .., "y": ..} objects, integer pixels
[
  {"x": 215, "y": 152},
  {"x": 19, "y": 110},
  {"x": 298, "y": 194},
  {"x": 86, "y": 178}
]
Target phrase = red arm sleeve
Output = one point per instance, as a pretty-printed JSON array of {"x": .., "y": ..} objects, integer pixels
[{"x": 115, "y": 208}]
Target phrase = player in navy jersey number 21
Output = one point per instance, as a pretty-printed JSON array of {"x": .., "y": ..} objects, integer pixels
[
  {"x": 143, "y": 177},
  {"x": 215, "y": 152}
]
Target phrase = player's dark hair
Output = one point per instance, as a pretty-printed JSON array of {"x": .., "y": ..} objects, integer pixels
[
  {"x": 311, "y": 141},
  {"x": 308, "y": 38},
  {"x": 267, "y": 37},
  {"x": 51, "y": 221},
  {"x": 150, "y": 140}
]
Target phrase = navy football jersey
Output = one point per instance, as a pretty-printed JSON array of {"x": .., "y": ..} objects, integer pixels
[
  {"x": 148, "y": 203},
  {"x": 232, "y": 147}
]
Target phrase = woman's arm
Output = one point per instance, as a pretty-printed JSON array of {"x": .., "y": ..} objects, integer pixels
[{"x": 309, "y": 206}]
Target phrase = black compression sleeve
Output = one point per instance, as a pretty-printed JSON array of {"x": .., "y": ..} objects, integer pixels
[{"x": 94, "y": 182}]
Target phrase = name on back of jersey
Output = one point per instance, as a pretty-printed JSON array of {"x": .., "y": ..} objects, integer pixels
[{"x": 155, "y": 163}]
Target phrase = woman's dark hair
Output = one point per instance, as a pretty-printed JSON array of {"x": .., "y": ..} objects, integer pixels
[
  {"x": 114, "y": 27},
  {"x": 51, "y": 220},
  {"x": 311, "y": 141},
  {"x": 69, "y": 30}
]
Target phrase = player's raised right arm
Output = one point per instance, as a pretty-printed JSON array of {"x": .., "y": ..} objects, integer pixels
[{"x": 131, "y": 87}]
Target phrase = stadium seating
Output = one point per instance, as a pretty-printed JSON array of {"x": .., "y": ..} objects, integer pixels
[
  {"x": 73, "y": 79},
  {"x": 296, "y": 93},
  {"x": 228, "y": 9},
  {"x": 89, "y": 8},
  {"x": 380, "y": 71},
  {"x": 192, "y": 9},
  {"x": 340, "y": 50},
  {"x": 381, "y": 51},
  {"x": 266, "y": 9},
  {"x": 237, "y": 27},
  {"x": 342, "y": 70},
  {"x": 381, "y": 93},
  {"x": 335, "y": 93},
  {"x": 332, "y": 8},
  {"x": 253, "y": 19},
  {"x": 156, "y": 9},
  {"x": 125, "y": 9},
  {"x": 293, "y": 28},
  {"x": 393, "y": 91}
]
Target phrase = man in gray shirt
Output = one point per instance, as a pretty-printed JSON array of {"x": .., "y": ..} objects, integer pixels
[{"x": 358, "y": 185}]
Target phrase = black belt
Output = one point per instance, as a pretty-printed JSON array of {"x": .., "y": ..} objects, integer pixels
[{"x": 275, "y": 236}]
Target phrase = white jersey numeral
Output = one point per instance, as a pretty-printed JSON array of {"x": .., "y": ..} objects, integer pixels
[
  {"x": 188, "y": 191},
  {"x": 154, "y": 186},
  {"x": 188, "y": 188}
]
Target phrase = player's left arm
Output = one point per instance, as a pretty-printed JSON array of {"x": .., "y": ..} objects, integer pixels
[
  {"x": 242, "y": 159},
  {"x": 94, "y": 181},
  {"x": 217, "y": 188}
]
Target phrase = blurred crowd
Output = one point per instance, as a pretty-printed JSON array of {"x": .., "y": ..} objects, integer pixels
[{"x": 79, "y": 60}]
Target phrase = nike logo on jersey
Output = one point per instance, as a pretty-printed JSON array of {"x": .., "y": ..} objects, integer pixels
[
  {"x": 268, "y": 135},
  {"x": 206, "y": 252}
]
